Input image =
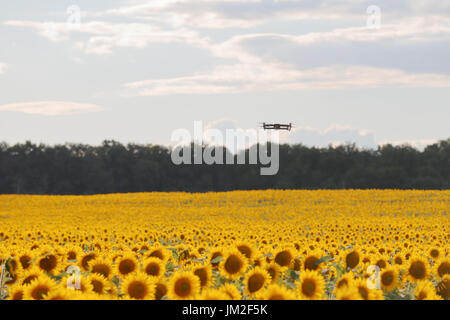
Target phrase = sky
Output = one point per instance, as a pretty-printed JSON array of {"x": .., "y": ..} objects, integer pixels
[{"x": 365, "y": 72}]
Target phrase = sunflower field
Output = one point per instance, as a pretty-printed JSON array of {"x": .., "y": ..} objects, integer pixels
[{"x": 343, "y": 244}]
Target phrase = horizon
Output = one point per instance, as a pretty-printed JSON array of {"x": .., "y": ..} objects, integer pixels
[{"x": 135, "y": 70}]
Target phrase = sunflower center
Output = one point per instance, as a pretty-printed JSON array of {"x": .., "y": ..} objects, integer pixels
[
  {"x": 126, "y": 266},
  {"x": 342, "y": 282},
  {"x": 381, "y": 264},
  {"x": 308, "y": 287},
  {"x": 444, "y": 268},
  {"x": 387, "y": 278},
  {"x": 137, "y": 290},
  {"x": 203, "y": 276},
  {"x": 102, "y": 269},
  {"x": 283, "y": 258},
  {"x": 28, "y": 279},
  {"x": 363, "y": 292},
  {"x": 71, "y": 255},
  {"x": 183, "y": 287},
  {"x": 86, "y": 259},
  {"x": 39, "y": 292},
  {"x": 25, "y": 261},
  {"x": 152, "y": 269},
  {"x": 417, "y": 270},
  {"x": 233, "y": 264},
  {"x": 161, "y": 291},
  {"x": 157, "y": 254},
  {"x": 245, "y": 250},
  {"x": 352, "y": 259},
  {"x": 255, "y": 282},
  {"x": 214, "y": 256},
  {"x": 48, "y": 263},
  {"x": 310, "y": 263},
  {"x": 97, "y": 285}
]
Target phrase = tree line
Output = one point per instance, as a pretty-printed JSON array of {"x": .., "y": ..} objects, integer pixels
[{"x": 113, "y": 167}]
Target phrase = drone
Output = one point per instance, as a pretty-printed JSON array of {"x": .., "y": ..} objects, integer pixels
[{"x": 276, "y": 126}]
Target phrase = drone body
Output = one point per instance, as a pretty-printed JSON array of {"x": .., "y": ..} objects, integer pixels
[{"x": 276, "y": 126}]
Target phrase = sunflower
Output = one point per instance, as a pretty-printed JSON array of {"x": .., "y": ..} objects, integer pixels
[
  {"x": 100, "y": 266},
  {"x": 85, "y": 258},
  {"x": 204, "y": 274},
  {"x": 25, "y": 260},
  {"x": 347, "y": 293},
  {"x": 231, "y": 290},
  {"x": 233, "y": 265},
  {"x": 389, "y": 279},
  {"x": 344, "y": 281},
  {"x": 30, "y": 274},
  {"x": 16, "y": 293},
  {"x": 417, "y": 269},
  {"x": 48, "y": 263},
  {"x": 183, "y": 285},
  {"x": 60, "y": 294},
  {"x": 255, "y": 280},
  {"x": 212, "y": 294},
  {"x": 277, "y": 292},
  {"x": 38, "y": 288},
  {"x": 381, "y": 261},
  {"x": 398, "y": 259},
  {"x": 78, "y": 284},
  {"x": 73, "y": 253},
  {"x": 443, "y": 288},
  {"x": 434, "y": 253},
  {"x": 126, "y": 264},
  {"x": 312, "y": 261},
  {"x": 153, "y": 267},
  {"x": 158, "y": 252},
  {"x": 246, "y": 249},
  {"x": 274, "y": 271},
  {"x": 365, "y": 292},
  {"x": 14, "y": 276},
  {"x": 161, "y": 289},
  {"x": 284, "y": 257},
  {"x": 425, "y": 291},
  {"x": 214, "y": 255},
  {"x": 139, "y": 286},
  {"x": 352, "y": 259},
  {"x": 311, "y": 285},
  {"x": 100, "y": 284},
  {"x": 442, "y": 267}
]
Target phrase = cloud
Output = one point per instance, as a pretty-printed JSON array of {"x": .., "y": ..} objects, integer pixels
[
  {"x": 428, "y": 28},
  {"x": 51, "y": 108},
  {"x": 250, "y": 13},
  {"x": 334, "y": 135},
  {"x": 104, "y": 36},
  {"x": 2, "y": 67},
  {"x": 274, "y": 76}
]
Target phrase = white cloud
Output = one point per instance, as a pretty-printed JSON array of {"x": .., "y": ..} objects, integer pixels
[
  {"x": 51, "y": 108},
  {"x": 249, "y": 13},
  {"x": 2, "y": 67},
  {"x": 334, "y": 135},
  {"x": 104, "y": 36},
  {"x": 274, "y": 76}
]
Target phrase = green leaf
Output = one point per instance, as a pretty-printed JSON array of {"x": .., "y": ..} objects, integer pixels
[
  {"x": 323, "y": 259},
  {"x": 217, "y": 259},
  {"x": 170, "y": 266}
]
